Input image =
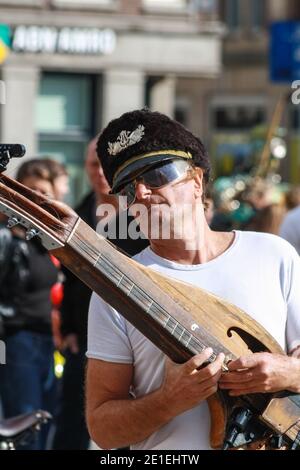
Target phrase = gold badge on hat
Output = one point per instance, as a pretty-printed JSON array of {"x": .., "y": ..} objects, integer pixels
[{"x": 126, "y": 139}]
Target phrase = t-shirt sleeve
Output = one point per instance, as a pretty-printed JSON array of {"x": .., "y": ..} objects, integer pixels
[
  {"x": 107, "y": 333},
  {"x": 293, "y": 303}
]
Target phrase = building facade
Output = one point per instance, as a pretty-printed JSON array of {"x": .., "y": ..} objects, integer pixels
[
  {"x": 243, "y": 98},
  {"x": 73, "y": 65}
]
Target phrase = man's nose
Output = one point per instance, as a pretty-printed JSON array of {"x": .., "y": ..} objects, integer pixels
[{"x": 142, "y": 191}]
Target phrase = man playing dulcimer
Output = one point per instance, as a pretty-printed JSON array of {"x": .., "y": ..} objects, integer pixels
[{"x": 135, "y": 395}]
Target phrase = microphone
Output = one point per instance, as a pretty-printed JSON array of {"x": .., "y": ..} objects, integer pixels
[
  {"x": 12, "y": 150},
  {"x": 8, "y": 151}
]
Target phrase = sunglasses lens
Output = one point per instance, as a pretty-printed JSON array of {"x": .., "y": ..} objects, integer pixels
[
  {"x": 129, "y": 193},
  {"x": 156, "y": 178},
  {"x": 165, "y": 174}
]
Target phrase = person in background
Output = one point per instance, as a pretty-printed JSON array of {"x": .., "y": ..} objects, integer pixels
[
  {"x": 71, "y": 432},
  {"x": 290, "y": 228},
  {"x": 60, "y": 178},
  {"x": 36, "y": 175},
  {"x": 292, "y": 198},
  {"x": 209, "y": 206},
  {"x": 60, "y": 181},
  {"x": 268, "y": 219},
  {"x": 27, "y": 381},
  {"x": 257, "y": 195}
]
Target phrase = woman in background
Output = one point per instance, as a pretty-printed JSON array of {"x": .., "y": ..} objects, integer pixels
[{"x": 59, "y": 177}]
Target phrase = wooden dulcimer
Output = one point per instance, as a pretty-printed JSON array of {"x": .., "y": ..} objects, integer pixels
[{"x": 178, "y": 318}]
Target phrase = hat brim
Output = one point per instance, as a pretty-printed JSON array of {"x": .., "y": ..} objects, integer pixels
[{"x": 132, "y": 170}]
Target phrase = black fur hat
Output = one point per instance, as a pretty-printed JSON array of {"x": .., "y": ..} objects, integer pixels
[{"x": 139, "y": 139}]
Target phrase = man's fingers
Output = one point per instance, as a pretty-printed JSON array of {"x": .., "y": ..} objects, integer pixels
[
  {"x": 196, "y": 361},
  {"x": 236, "y": 377},
  {"x": 214, "y": 370},
  {"x": 243, "y": 362}
]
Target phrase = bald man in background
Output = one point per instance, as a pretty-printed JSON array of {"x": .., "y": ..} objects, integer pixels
[{"x": 71, "y": 431}]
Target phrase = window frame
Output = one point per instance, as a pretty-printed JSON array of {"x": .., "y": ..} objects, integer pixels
[
  {"x": 163, "y": 6},
  {"x": 102, "y": 5},
  {"x": 73, "y": 136},
  {"x": 261, "y": 6},
  {"x": 234, "y": 101},
  {"x": 232, "y": 28},
  {"x": 244, "y": 15},
  {"x": 23, "y": 3}
]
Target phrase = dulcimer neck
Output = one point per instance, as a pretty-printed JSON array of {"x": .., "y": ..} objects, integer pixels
[{"x": 136, "y": 292}]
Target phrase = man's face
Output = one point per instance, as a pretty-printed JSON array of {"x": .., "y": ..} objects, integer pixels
[{"x": 169, "y": 211}]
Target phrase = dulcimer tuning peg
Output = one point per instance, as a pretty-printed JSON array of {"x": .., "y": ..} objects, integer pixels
[
  {"x": 31, "y": 233},
  {"x": 12, "y": 221}
]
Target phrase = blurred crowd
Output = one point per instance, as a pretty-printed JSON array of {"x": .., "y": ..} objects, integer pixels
[
  {"x": 43, "y": 307},
  {"x": 260, "y": 206}
]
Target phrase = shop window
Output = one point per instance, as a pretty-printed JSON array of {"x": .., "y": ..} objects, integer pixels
[
  {"x": 295, "y": 118},
  {"x": 64, "y": 124},
  {"x": 232, "y": 14},
  {"x": 203, "y": 6},
  {"x": 237, "y": 117},
  {"x": 258, "y": 13},
  {"x": 181, "y": 112},
  {"x": 238, "y": 130},
  {"x": 246, "y": 14}
]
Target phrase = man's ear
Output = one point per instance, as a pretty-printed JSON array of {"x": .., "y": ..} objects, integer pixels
[{"x": 198, "y": 181}]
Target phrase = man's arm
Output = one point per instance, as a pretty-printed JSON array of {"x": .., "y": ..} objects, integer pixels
[{"x": 116, "y": 420}]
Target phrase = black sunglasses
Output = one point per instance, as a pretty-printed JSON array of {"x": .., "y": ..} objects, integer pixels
[{"x": 155, "y": 178}]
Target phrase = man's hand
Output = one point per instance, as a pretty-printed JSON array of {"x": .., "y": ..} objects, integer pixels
[
  {"x": 71, "y": 342},
  {"x": 185, "y": 386},
  {"x": 262, "y": 372}
]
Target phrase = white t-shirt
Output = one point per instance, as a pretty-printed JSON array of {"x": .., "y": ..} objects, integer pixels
[
  {"x": 259, "y": 273},
  {"x": 290, "y": 228}
]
